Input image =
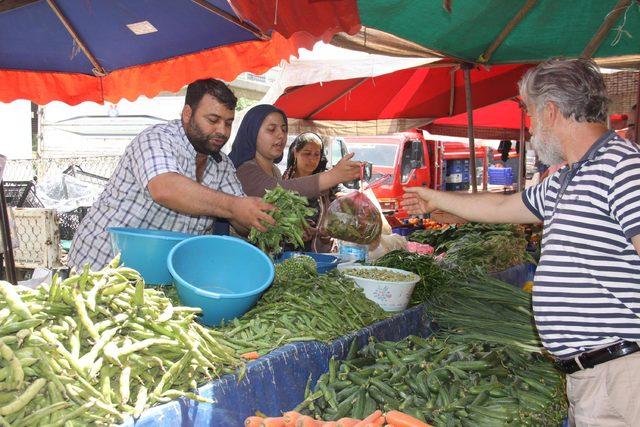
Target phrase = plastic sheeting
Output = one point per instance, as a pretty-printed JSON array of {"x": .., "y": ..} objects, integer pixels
[
  {"x": 65, "y": 193},
  {"x": 275, "y": 383}
]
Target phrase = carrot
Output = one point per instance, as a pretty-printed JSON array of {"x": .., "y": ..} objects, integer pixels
[
  {"x": 290, "y": 418},
  {"x": 251, "y": 355},
  {"x": 400, "y": 419},
  {"x": 371, "y": 418},
  {"x": 330, "y": 424},
  {"x": 253, "y": 421},
  {"x": 273, "y": 422},
  {"x": 377, "y": 423},
  {"x": 347, "y": 422},
  {"x": 307, "y": 421}
]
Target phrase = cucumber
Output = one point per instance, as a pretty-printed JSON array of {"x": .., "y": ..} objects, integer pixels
[
  {"x": 347, "y": 393},
  {"x": 370, "y": 406},
  {"x": 480, "y": 399},
  {"x": 389, "y": 391},
  {"x": 358, "y": 408},
  {"x": 474, "y": 365}
]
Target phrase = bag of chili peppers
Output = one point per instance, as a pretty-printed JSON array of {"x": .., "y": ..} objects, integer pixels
[{"x": 353, "y": 218}]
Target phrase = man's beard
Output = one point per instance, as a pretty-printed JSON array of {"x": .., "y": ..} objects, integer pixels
[
  {"x": 200, "y": 140},
  {"x": 547, "y": 146}
]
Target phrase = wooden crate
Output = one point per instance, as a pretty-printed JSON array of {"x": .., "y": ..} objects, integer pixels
[
  {"x": 446, "y": 218},
  {"x": 36, "y": 234}
]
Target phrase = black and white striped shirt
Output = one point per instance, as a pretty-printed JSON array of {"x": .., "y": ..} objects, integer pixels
[
  {"x": 586, "y": 291},
  {"x": 126, "y": 201}
]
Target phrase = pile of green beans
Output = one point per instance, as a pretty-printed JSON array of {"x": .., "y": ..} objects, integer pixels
[
  {"x": 98, "y": 347},
  {"x": 290, "y": 216},
  {"x": 443, "y": 380},
  {"x": 309, "y": 308}
]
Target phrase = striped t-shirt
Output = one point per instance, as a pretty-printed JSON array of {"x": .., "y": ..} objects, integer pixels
[{"x": 586, "y": 290}]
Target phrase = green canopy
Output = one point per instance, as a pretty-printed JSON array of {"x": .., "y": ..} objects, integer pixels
[{"x": 511, "y": 31}]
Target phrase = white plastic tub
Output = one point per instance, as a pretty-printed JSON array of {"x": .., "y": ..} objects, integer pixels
[{"x": 391, "y": 296}]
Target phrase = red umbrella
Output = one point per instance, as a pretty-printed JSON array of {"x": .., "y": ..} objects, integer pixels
[
  {"x": 427, "y": 92},
  {"x": 501, "y": 120}
]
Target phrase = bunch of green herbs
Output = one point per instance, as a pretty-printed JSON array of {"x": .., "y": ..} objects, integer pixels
[
  {"x": 432, "y": 275},
  {"x": 291, "y": 211}
]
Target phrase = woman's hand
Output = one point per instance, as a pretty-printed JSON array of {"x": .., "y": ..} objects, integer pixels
[
  {"x": 347, "y": 170},
  {"x": 310, "y": 231}
]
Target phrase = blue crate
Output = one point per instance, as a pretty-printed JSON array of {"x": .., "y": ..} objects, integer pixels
[
  {"x": 456, "y": 166},
  {"x": 500, "y": 176},
  {"x": 456, "y": 186}
]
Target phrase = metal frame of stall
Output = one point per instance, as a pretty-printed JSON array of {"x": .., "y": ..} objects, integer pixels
[{"x": 9, "y": 261}]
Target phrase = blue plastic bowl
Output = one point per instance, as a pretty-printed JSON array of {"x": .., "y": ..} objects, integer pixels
[
  {"x": 222, "y": 275},
  {"x": 146, "y": 251},
  {"x": 324, "y": 262}
]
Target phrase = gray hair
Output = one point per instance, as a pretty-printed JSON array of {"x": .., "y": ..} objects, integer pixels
[{"x": 574, "y": 85}]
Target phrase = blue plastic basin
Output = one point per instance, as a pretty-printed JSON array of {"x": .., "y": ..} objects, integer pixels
[
  {"x": 324, "y": 262},
  {"x": 222, "y": 275},
  {"x": 146, "y": 251}
]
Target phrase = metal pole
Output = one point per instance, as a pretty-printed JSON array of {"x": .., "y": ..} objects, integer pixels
[
  {"x": 466, "y": 68},
  {"x": 485, "y": 168},
  {"x": 637, "y": 113},
  {"x": 6, "y": 239},
  {"x": 523, "y": 150}
]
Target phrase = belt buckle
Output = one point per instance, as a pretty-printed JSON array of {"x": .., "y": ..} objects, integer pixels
[{"x": 579, "y": 362}]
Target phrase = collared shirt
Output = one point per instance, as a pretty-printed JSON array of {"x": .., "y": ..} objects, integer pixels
[
  {"x": 586, "y": 290},
  {"x": 126, "y": 201}
]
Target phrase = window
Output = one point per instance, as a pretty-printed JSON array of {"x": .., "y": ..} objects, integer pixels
[
  {"x": 412, "y": 158},
  {"x": 378, "y": 154},
  {"x": 336, "y": 151}
]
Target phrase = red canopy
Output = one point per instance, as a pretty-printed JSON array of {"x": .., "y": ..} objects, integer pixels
[
  {"x": 496, "y": 121},
  {"x": 320, "y": 18},
  {"x": 424, "y": 92}
]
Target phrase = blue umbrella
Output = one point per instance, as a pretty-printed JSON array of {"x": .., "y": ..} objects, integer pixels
[{"x": 106, "y": 50}]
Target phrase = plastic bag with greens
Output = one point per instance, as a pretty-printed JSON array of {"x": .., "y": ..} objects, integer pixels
[{"x": 353, "y": 218}]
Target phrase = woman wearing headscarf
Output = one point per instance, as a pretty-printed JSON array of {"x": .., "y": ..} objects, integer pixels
[
  {"x": 306, "y": 157},
  {"x": 259, "y": 146}
]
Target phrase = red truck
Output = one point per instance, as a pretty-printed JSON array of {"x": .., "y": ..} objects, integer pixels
[{"x": 411, "y": 161}]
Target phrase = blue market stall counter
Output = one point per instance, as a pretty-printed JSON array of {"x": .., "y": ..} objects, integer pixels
[{"x": 275, "y": 383}]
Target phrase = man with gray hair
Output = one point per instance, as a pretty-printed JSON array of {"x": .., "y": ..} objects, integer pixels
[{"x": 586, "y": 294}]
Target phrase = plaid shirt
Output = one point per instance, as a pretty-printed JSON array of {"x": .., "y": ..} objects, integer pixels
[{"x": 126, "y": 202}]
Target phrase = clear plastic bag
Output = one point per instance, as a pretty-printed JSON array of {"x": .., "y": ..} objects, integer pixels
[
  {"x": 353, "y": 218},
  {"x": 65, "y": 193}
]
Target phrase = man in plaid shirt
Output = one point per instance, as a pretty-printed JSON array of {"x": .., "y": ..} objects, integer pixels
[{"x": 174, "y": 177}]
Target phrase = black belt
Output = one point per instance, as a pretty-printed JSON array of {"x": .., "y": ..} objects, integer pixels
[{"x": 589, "y": 359}]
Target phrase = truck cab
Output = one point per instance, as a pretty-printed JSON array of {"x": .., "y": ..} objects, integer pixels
[
  {"x": 410, "y": 160},
  {"x": 403, "y": 157}
]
